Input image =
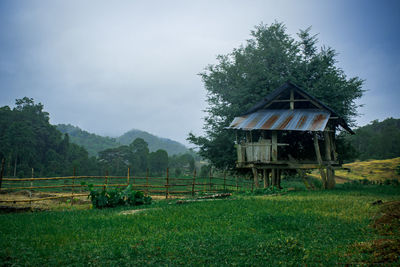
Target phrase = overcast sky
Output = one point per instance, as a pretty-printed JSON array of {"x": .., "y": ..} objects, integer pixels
[{"x": 110, "y": 66}]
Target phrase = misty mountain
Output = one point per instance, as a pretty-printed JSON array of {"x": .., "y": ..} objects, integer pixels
[
  {"x": 94, "y": 143},
  {"x": 155, "y": 142}
]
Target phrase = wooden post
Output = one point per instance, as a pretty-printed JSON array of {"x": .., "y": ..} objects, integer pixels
[
  {"x": 73, "y": 187},
  {"x": 291, "y": 99},
  {"x": 274, "y": 147},
  {"x": 333, "y": 145},
  {"x": 237, "y": 186},
  {"x": 30, "y": 191},
  {"x": 255, "y": 177},
  {"x": 330, "y": 173},
  {"x": 105, "y": 181},
  {"x": 266, "y": 178},
  {"x": 194, "y": 181},
  {"x": 15, "y": 166},
  {"x": 127, "y": 178},
  {"x": 2, "y": 171},
  {"x": 210, "y": 179},
  {"x": 273, "y": 177},
  {"x": 167, "y": 186},
  {"x": 319, "y": 159},
  {"x": 224, "y": 180},
  {"x": 147, "y": 181},
  {"x": 278, "y": 178}
]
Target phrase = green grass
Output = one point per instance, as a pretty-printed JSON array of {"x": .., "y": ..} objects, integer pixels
[{"x": 298, "y": 228}]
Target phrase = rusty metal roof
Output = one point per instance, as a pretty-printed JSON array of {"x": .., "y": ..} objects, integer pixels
[{"x": 278, "y": 119}]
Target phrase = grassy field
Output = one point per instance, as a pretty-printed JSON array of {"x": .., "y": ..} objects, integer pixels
[
  {"x": 297, "y": 228},
  {"x": 372, "y": 170}
]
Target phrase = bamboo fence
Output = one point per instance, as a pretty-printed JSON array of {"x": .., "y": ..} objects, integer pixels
[{"x": 75, "y": 186}]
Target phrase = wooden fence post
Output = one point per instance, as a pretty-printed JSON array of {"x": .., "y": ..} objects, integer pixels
[
  {"x": 210, "y": 180},
  {"x": 147, "y": 181},
  {"x": 105, "y": 180},
  {"x": 127, "y": 178},
  {"x": 194, "y": 181},
  {"x": 73, "y": 187},
  {"x": 133, "y": 178},
  {"x": 167, "y": 185},
  {"x": 2, "y": 171},
  {"x": 30, "y": 191},
  {"x": 237, "y": 185},
  {"x": 224, "y": 180}
]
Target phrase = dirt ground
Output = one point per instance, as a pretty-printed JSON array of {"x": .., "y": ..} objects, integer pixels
[
  {"x": 386, "y": 250},
  {"x": 19, "y": 201}
]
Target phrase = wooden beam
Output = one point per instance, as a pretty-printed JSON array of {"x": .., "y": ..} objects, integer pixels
[
  {"x": 274, "y": 148},
  {"x": 312, "y": 101},
  {"x": 319, "y": 159},
  {"x": 291, "y": 99}
]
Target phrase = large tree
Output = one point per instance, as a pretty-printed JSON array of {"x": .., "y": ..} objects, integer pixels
[{"x": 247, "y": 74}]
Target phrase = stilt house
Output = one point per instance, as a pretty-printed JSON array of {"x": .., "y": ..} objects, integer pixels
[{"x": 288, "y": 129}]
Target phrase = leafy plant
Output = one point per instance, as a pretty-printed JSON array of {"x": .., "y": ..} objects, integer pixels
[
  {"x": 266, "y": 191},
  {"x": 109, "y": 198}
]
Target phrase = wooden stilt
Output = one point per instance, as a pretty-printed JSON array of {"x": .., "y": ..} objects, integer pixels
[
  {"x": 320, "y": 163},
  {"x": 255, "y": 175},
  {"x": 266, "y": 177},
  {"x": 278, "y": 178},
  {"x": 273, "y": 177},
  {"x": 330, "y": 174}
]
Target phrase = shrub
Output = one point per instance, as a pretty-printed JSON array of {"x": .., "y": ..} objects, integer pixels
[
  {"x": 109, "y": 198},
  {"x": 266, "y": 191}
]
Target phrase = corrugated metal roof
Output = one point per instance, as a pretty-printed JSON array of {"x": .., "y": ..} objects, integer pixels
[{"x": 278, "y": 119}]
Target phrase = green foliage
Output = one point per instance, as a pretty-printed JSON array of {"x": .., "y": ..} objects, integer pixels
[
  {"x": 28, "y": 140},
  {"x": 205, "y": 171},
  {"x": 158, "y": 161},
  {"x": 244, "y": 77},
  {"x": 113, "y": 197},
  {"x": 182, "y": 164},
  {"x": 377, "y": 140},
  {"x": 271, "y": 190},
  {"x": 398, "y": 170}
]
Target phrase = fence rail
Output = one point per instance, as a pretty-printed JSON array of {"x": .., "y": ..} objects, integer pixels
[{"x": 74, "y": 186}]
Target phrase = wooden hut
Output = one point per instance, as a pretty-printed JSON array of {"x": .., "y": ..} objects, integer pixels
[{"x": 288, "y": 129}]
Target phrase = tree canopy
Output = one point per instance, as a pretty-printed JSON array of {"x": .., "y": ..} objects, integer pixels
[
  {"x": 28, "y": 140},
  {"x": 269, "y": 58}
]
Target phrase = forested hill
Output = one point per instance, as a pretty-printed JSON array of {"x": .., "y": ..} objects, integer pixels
[
  {"x": 377, "y": 140},
  {"x": 92, "y": 142},
  {"x": 155, "y": 142},
  {"x": 96, "y": 143}
]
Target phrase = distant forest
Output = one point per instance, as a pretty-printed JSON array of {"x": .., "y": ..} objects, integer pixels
[
  {"x": 377, "y": 140},
  {"x": 30, "y": 144}
]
